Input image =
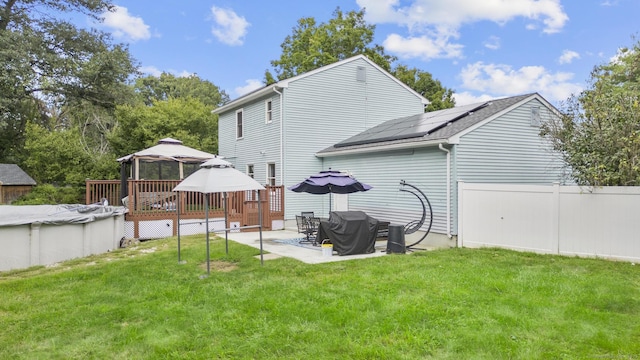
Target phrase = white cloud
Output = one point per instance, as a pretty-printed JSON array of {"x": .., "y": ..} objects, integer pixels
[
  {"x": 422, "y": 47},
  {"x": 568, "y": 56},
  {"x": 466, "y": 98},
  {"x": 503, "y": 80},
  {"x": 154, "y": 71},
  {"x": 150, "y": 70},
  {"x": 229, "y": 28},
  {"x": 438, "y": 21},
  {"x": 251, "y": 84},
  {"x": 125, "y": 25},
  {"x": 493, "y": 43}
]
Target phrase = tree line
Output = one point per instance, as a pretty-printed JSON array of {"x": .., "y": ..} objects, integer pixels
[{"x": 72, "y": 100}]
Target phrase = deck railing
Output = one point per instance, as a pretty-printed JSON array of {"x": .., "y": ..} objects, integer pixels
[{"x": 154, "y": 199}]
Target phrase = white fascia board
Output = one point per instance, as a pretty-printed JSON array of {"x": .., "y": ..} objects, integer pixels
[{"x": 383, "y": 148}]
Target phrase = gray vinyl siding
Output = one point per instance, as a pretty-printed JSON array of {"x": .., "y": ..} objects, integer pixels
[
  {"x": 260, "y": 143},
  {"x": 506, "y": 150},
  {"x": 331, "y": 106},
  {"x": 424, "y": 168}
]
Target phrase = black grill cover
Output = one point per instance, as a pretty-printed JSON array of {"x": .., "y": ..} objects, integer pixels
[{"x": 350, "y": 232}]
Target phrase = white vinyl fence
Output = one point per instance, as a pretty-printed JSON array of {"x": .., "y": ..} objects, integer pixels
[{"x": 551, "y": 219}]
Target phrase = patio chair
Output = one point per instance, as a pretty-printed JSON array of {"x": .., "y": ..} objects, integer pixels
[{"x": 309, "y": 227}]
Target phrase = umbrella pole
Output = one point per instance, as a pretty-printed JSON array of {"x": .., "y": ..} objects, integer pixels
[
  {"x": 226, "y": 233},
  {"x": 178, "y": 214},
  {"x": 260, "y": 226},
  {"x": 206, "y": 215}
]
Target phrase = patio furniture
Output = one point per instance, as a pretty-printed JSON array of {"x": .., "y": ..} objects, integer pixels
[
  {"x": 309, "y": 227},
  {"x": 350, "y": 232}
]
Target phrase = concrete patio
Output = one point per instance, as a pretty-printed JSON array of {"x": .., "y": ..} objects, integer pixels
[{"x": 275, "y": 249}]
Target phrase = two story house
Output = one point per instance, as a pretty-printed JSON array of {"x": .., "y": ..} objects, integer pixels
[{"x": 273, "y": 133}]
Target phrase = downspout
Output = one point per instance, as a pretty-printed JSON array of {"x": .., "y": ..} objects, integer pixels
[
  {"x": 281, "y": 138},
  {"x": 441, "y": 147}
]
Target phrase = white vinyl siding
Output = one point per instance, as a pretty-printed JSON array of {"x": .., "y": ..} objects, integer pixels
[
  {"x": 424, "y": 168},
  {"x": 329, "y": 107},
  {"x": 261, "y": 142}
]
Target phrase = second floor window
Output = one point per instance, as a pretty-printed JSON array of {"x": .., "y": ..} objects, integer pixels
[
  {"x": 239, "y": 125},
  {"x": 268, "y": 117},
  {"x": 250, "y": 170}
]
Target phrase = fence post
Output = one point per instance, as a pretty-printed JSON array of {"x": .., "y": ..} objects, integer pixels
[
  {"x": 460, "y": 241},
  {"x": 555, "y": 218}
]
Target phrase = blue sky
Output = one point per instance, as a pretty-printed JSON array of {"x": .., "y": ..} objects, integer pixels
[{"x": 481, "y": 49}]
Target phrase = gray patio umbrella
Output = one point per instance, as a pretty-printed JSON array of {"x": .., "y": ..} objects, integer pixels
[{"x": 219, "y": 176}]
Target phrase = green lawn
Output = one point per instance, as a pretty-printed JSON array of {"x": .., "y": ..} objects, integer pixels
[{"x": 139, "y": 303}]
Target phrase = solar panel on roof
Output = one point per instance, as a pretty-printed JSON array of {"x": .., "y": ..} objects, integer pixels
[{"x": 410, "y": 126}]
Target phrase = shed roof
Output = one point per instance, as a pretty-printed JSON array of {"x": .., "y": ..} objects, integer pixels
[
  {"x": 12, "y": 174},
  {"x": 427, "y": 128}
]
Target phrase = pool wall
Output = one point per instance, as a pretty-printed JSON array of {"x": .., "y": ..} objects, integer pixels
[{"x": 26, "y": 245}]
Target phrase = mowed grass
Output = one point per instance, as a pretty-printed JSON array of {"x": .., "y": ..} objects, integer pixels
[{"x": 139, "y": 303}]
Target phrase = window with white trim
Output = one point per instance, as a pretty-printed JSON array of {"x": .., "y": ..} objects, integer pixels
[
  {"x": 239, "y": 124},
  {"x": 268, "y": 111},
  {"x": 535, "y": 116},
  {"x": 271, "y": 174},
  {"x": 250, "y": 171}
]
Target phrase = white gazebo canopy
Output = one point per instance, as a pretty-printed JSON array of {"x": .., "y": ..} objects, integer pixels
[{"x": 167, "y": 149}]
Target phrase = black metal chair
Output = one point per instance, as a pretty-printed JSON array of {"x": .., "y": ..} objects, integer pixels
[{"x": 309, "y": 227}]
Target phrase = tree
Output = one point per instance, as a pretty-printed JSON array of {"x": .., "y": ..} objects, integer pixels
[
  {"x": 314, "y": 45},
  {"x": 187, "y": 119},
  {"x": 57, "y": 157},
  {"x": 424, "y": 83},
  {"x": 50, "y": 66},
  {"x": 167, "y": 86},
  {"x": 598, "y": 133}
]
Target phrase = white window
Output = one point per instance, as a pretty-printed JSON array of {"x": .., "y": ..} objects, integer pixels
[
  {"x": 239, "y": 125},
  {"x": 268, "y": 116},
  {"x": 250, "y": 171},
  {"x": 535, "y": 116},
  {"x": 271, "y": 174}
]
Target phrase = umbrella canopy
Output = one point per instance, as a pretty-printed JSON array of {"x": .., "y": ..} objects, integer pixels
[
  {"x": 219, "y": 176},
  {"x": 330, "y": 181}
]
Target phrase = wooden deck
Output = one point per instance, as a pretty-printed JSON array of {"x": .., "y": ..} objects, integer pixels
[{"x": 154, "y": 200}]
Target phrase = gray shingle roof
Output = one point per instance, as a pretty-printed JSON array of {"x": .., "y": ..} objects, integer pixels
[
  {"x": 12, "y": 174},
  {"x": 447, "y": 128}
]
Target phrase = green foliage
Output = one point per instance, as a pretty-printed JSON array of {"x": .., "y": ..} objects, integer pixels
[
  {"x": 187, "y": 119},
  {"x": 599, "y": 132},
  {"x": 152, "y": 88},
  {"x": 314, "y": 45},
  {"x": 423, "y": 82},
  {"x": 51, "y": 68},
  {"x": 57, "y": 157},
  {"x": 52, "y": 195}
]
